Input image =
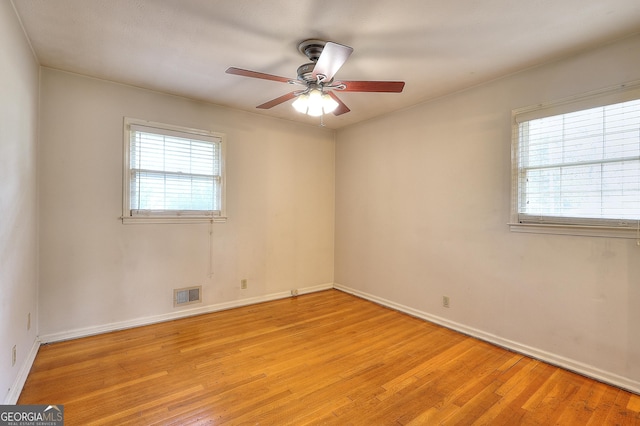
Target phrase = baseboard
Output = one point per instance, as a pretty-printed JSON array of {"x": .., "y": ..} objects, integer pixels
[
  {"x": 138, "y": 322},
  {"x": 548, "y": 357},
  {"x": 15, "y": 390}
]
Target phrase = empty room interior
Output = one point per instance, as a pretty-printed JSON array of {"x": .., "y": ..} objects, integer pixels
[{"x": 462, "y": 208}]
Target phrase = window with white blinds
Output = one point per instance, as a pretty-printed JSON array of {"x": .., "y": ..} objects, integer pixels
[
  {"x": 172, "y": 173},
  {"x": 577, "y": 163}
]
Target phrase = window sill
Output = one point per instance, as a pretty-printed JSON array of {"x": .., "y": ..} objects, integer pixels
[
  {"x": 129, "y": 220},
  {"x": 576, "y": 230}
]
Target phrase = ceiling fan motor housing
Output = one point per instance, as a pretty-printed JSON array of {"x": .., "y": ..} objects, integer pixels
[
  {"x": 312, "y": 49},
  {"x": 305, "y": 72}
]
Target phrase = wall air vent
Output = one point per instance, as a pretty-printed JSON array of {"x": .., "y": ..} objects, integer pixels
[{"x": 187, "y": 295}]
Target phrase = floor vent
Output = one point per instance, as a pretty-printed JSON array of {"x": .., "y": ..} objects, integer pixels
[{"x": 187, "y": 295}]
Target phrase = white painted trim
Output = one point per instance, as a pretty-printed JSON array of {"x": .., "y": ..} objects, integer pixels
[
  {"x": 138, "y": 322},
  {"x": 551, "y": 358},
  {"x": 167, "y": 217},
  {"x": 314, "y": 289},
  {"x": 576, "y": 230},
  {"x": 18, "y": 384}
]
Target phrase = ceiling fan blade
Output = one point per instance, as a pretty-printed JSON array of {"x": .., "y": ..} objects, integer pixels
[
  {"x": 372, "y": 86},
  {"x": 333, "y": 56},
  {"x": 277, "y": 101},
  {"x": 342, "y": 108},
  {"x": 255, "y": 74}
]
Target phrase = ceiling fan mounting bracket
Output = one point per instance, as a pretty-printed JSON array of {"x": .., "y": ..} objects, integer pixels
[{"x": 312, "y": 48}]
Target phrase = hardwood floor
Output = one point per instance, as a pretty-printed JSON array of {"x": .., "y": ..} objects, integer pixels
[{"x": 322, "y": 358}]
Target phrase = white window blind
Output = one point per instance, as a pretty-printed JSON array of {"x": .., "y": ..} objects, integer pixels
[
  {"x": 173, "y": 172},
  {"x": 580, "y": 167}
]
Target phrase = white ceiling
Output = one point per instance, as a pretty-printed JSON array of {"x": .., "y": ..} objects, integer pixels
[{"x": 183, "y": 47}]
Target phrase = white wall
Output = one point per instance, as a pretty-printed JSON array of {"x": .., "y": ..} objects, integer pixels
[
  {"x": 422, "y": 206},
  {"x": 96, "y": 272},
  {"x": 18, "y": 199}
]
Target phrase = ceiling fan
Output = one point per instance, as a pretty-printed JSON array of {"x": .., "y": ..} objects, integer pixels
[{"x": 317, "y": 96}]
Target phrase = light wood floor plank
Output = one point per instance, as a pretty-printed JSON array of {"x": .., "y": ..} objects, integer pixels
[{"x": 322, "y": 358}]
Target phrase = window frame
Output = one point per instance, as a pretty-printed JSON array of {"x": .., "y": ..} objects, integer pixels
[
  {"x": 617, "y": 228},
  {"x": 168, "y": 216}
]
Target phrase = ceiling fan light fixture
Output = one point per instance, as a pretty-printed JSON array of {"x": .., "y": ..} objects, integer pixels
[{"x": 315, "y": 103}]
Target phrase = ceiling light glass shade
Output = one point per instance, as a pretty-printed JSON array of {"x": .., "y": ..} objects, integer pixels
[
  {"x": 300, "y": 104},
  {"x": 328, "y": 104},
  {"x": 315, "y": 103}
]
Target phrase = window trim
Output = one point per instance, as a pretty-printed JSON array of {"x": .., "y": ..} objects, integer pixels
[
  {"x": 163, "y": 216},
  {"x": 616, "y": 228}
]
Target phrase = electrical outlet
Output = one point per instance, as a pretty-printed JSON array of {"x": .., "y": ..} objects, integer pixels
[
  {"x": 13, "y": 355},
  {"x": 445, "y": 301},
  {"x": 243, "y": 284}
]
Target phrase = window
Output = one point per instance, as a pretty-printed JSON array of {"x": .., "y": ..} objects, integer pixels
[
  {"x": 172, "y": 174},
  {"x": 576, "y": 165}
]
